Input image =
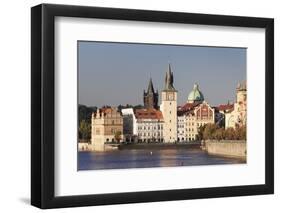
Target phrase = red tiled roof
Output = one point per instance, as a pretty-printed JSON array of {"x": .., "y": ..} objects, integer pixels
[
  {"x": 224, "y": 107},
  {"x": 148, "y": 114},
  {"x": 188, "y": 106}
]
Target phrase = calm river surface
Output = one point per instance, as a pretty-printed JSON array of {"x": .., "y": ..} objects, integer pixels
[{"x": 145, "y": 158}]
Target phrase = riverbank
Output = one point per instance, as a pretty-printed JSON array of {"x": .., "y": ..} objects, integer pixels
[
  {"x": 224, "y": 148},
  {"x": 227, "y": 148},
  {"x": 188, "y": 145}
]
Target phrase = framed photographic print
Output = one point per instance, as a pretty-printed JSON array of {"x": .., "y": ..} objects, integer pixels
[{"x": 139, "y": 106}]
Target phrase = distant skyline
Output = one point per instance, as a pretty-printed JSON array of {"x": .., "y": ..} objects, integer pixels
[{"x": 117, "y": 73}]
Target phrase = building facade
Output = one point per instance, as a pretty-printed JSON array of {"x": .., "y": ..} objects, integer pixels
[
  {"x": 107, "y": 126},
  {"x": 238, "y": 116},
  {"x": 181, "y": 127},
  {"x": 149, "y": 125}
]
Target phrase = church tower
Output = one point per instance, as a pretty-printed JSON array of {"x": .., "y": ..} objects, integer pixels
[
  {"x": 150, "y": 98},
  {"x": 169, "y": 108}
]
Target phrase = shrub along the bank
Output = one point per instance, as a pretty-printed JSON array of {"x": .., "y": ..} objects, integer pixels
[{"x": 214, "y": 132}]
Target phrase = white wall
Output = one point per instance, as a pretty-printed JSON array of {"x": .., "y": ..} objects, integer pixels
[{"x": 15, "y": 105}]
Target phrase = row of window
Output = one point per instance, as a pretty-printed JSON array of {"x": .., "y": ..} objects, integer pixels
[
  {"x": 151, "y": 140},
  {"x": 150, "y": 127},
  {"x": 148, "y": 134}
]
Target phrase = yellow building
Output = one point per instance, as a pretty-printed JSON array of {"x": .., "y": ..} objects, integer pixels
[
  {"x": 238, "y": 116},
  {"x": 107, "y": 126}
]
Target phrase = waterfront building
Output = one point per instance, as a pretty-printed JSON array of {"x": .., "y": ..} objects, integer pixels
[
  {"x": 107, "y": 126},
  {"x": 149, "y": 124},
  {"x": 194, "y": 114},
  {"x": 238, "y": 116},
  {"x": 169, "y": 108},
  {"x": 150, "y": 97}
]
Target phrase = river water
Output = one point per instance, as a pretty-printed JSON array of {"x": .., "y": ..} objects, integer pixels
[{"x": 145, "y": 158}]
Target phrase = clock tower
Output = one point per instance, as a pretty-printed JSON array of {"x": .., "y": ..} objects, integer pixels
[{"x": 169, "y": 108}]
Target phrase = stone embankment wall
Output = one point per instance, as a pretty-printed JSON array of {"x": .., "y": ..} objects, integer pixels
[{"x": 228, "y": 148}]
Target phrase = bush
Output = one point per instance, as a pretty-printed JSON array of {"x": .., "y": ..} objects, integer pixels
[{"x": 214, "y": 132}]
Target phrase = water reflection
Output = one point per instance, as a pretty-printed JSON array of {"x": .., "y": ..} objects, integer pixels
[{"x": 120, "y": 159}]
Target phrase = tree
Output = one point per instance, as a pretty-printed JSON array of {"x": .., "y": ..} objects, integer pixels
[
  {"x": 117, "y": 136},
  {"x": 209, "y": 131},
  {"x": 230, "y": 134},
  {"x": 200, "y": 132},
  {"x": 84, "y": 130},
  {"x": 85, "y": 113},
  {"x": 241, "y": 132}
]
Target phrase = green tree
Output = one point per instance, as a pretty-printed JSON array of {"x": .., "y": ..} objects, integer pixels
[{"x": 85, "y": 130}]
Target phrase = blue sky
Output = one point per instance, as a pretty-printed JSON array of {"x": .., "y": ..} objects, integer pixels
[{"x": 117, "y": 73}]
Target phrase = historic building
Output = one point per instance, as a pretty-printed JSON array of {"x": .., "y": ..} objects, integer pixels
[
  {"x": 195, "y": 96},
  {"x": 107, "y": 126},
  {"x": 150, "y": 98},
  {"x": 168, "y": 108},
  {"x": 181, "y": 126},
  {"x": 238, "y": 116},
  {"x": 194, "y": 114},
  {"x": 149, "y": 125}
]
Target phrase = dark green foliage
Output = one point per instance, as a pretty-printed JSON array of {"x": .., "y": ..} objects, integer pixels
[
  {"x": 84, "y": 116},
  {"x": 85, "y": 113},
  {"x": 85, "y": 130}
]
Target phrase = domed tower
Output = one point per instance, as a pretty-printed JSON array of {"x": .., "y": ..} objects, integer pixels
[{"x": 195, "y": 96}]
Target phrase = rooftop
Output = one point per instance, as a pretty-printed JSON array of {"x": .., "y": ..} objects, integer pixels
[{"x": 148, "y": 114}]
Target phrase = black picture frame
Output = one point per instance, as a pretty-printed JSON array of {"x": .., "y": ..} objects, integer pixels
[{"x": 43, "y": 110}]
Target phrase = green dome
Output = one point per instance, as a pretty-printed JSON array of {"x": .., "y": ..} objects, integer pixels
[{"x": 195, "y": 94}]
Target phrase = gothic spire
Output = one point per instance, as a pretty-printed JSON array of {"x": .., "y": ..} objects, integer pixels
[
  {"x": 150, "y": 89},
  {"x": 169, "y": 79}
]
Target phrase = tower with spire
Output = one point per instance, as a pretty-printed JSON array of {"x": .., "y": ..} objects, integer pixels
[
  {"x": 169, "y": 108},
  {"x": 150, "y": 97}
]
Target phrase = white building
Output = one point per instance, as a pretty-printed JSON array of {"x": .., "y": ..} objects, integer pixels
[
  {"x": 181, "y": 127},
  {"x": 149, "y": 125}
]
